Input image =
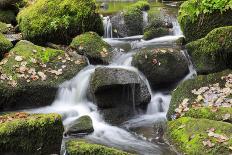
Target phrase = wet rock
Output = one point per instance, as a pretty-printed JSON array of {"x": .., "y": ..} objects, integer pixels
[
  {"x": 118, "y": 26},
  {"x": 212, "y": 53},
  {"x": 109, "y": 85},
  {"x": 192, "y": 19},
  {"x": 77, "y": 147},
  {"x": 61, "y": 25},
  {"x": 162, "y": 67},
  {"x": 36, "y": 133},
  {"x": 92, "y": 46},
  {"x": 30, "y": 75},
  {"x": 82, "y": 125}
]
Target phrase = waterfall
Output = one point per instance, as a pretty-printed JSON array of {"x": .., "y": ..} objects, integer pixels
[
  {"x": 145, "y": 18},
  {"x": 108, "y": 33}
]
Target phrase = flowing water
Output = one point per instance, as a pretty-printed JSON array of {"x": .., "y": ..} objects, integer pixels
[{"x": 136, "y": 134}]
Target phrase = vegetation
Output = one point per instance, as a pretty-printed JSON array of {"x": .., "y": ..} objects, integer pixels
[
  {"x": 31, "y": 133},
  {"x": 7, "y": 16},
  {"x": 5, "y": 45},
  {"x": 212, "y": 53},
  {"x": 3, "y": 27},
  {"x": 58, "y": 21},
  {"x": 80, "y": 147}
]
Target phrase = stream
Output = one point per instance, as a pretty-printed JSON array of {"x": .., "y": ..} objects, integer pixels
[{"x": 136, "y": 134}]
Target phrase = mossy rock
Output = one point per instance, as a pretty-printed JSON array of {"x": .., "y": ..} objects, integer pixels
[
  {"x": 5, "y": 45},
  {"x": 81, "y": 147},
  {"x": 133, "y": 18},
  {"x": 91, "y": 45},
  {"x": 221, "y": 114},
  {"x": 158, "y": 66},
  {"x": 31, "y": 74},
  {"x": 6, "y": 4},
  {"x": 142, "y": 5},
  {"x": 7, "y": 16},
  {"x": 31, "y": 133},
  {"x": 188, "y": 134},
  {"x": 201, "y": 17},
  {"x": 59, "y": 21},
  {"x": 82, "y": 125},
  {"x": 3, "y": 28},
  {"x": 212, "y": 53},
  {"x": 184, "y": 91}
]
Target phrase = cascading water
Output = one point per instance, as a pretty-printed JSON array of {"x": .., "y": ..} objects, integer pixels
[{"x": 108, "y": 33}]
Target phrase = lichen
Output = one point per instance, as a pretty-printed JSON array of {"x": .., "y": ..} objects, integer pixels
[
  {"x": 189, "y": 135},
  {"x": 36, "y": 134},
  {"x": 81, "y": 147}
]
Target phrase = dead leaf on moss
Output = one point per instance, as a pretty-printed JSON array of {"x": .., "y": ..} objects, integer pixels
[
  {"x": 208, "y": 143},
  {"x": 19, "y": 58}
]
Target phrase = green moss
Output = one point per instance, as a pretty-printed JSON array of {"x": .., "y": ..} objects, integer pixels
[
  {"x": 207, "y": 113},
  {"x": 142, "y": 5},
  {"x": 3, "y": 27},
  {"x": 58, "y": 21},
  {"x": 80, "y": 147},
  {"x": 203, "y": 16},
  {"x": 92, "y": 45},
  {"x": 36, "y": 134},
  {"x": 5, "y": 45},
  {"x": 155, "y": 32},
  {"x": 188, "y": 134},
  {"x": 214, "y": 52},
  {"x": 7, "y": 16},
  {"x": 184, "y": 89}
]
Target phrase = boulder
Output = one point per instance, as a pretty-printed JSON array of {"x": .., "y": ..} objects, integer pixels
[
  {"x": 5, "y": 45},
  {"x": 3, "y": 27},
  {"x": 30, "y": 133},
  {"x": 6, "y": 4},
  {"x": 109, "y": 85},
  {"x": 206, "y": 96},
  {"x": 30, "y": 75},
  {"x": 200, "y": 136},
  {"x": 162, "y": 67},
  {"x": 39, "y": 22},
  {"x": 82, "y": 125},
  {"x": 201, "y": 17},
  {"x": 79, "y": 147},
  {"x": 212, "y": 53},
  {"x": 93, "y": 47},
  {"x": 7, "y": 16},
  {"x": 118, "y": 26}
]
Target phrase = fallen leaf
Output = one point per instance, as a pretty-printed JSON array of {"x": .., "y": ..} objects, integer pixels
[{"x": 19, "y": 58}]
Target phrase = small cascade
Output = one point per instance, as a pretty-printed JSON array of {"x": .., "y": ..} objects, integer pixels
[
  {"x": 192, "y": 71},
  {"x": 108, "y": 33},
  {"x": 176, "y": 27},
  {"x": 145, "y": 18}
]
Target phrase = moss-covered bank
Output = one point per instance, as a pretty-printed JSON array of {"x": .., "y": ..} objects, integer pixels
[
  {"x": 80, "y": 147},
  {"x": 91, "y": 45},
  {"x": 31, "y": 133},
  {"x": 5, "y": 45},
  {"x": 30, "y": 75},
  {"x": 59, "y": 20},
  {"x": 200, "y": 136},
  {"x": 212, "y": 53}
]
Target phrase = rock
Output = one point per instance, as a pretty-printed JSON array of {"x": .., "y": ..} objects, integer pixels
[
  {"x": 212, "y": 53},
  {"x": 6, "y": 4},
  {"x": 142, "y": 5},
  {"x": 200, "y": 136},
  {"x": 202, "y": 96},
  {"x": 3, "y": 28},
  {"x": 82, "y": 125},
  {"x": 156, "y": 28},
  {"x": 192, "y": 18},
  {"x": 7, "y": 16},
  {"x": 71, "y": 18},
  {"x": 92, "y": 46},
  {"x": 118, "y": 26},
  {"x": 118, "y": 82},
  {"x": 78, "y": 147},
  {"x": 33, "y": 81},
  {"x": 104, "y": 6},
  {"x": 31, "y": 133},
  {"x": 162, "y": 67},
  {"x": 5, "y": 45},
  {"x": 14, "y": 38}
]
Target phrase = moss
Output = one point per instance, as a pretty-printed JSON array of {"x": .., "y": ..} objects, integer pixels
[
  {"x": 184, "y": 89},
  {"x": 5, "y": 45},
  {"x": 6, "y": 4},
  {"x": 27, "y": 89},
  {"x": 188, "y": 134},
  {"x": 203, "y": 16},
  {"x": 133, "y": 18},
  {"x": 36, "y": 134},
  {"x": 7, "y": 16},
  {"x": 142, "y": 5},
  {"x": 80, "y": 147},
  {"x": 3, "y": 27},
  {"x": 212, "y": 53},
  {"x": 155, "y": 32},
  {"x": 91, "y": 45},
  {"x": 59, "y": 21}
]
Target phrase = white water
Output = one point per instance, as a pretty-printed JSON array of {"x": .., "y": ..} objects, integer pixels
[
  {"x": 145, "y": 18},
  {"x": 108, "y": 32}
]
